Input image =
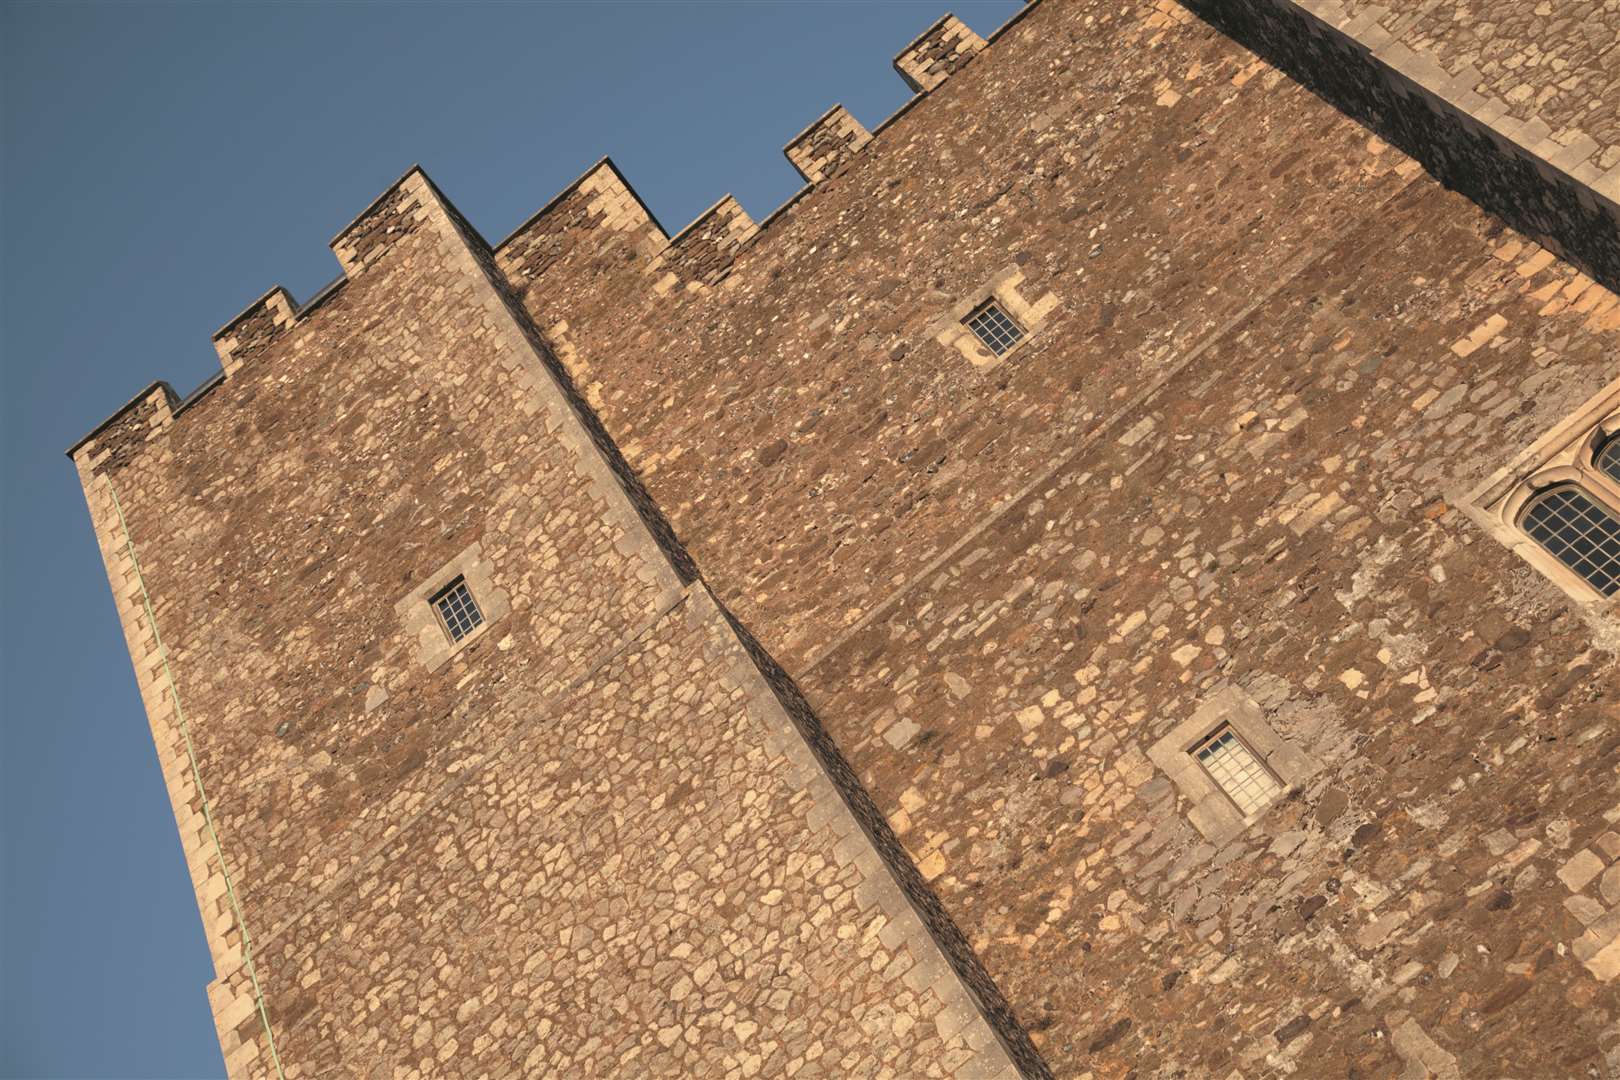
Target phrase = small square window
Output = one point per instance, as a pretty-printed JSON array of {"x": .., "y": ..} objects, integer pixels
[
  {"x": 457, "y": 609},
  {"x": 1238, "y": 772},
  {"x": 994, "y": 328}
]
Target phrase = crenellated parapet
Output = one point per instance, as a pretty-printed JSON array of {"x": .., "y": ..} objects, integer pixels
[
  {"x": 255, "y": 329},
  {"x": 598, "y": 215},
  {"x": 118, "y": 440},
  {"x": 937, "y": 54},
  {"x": 597, "y": 218},
  {"x": 394, "y": 215},
  {"x": 826, "y": 146},
  {"x": 701, "y": 254},
  {"x": 600, "y": 209}
]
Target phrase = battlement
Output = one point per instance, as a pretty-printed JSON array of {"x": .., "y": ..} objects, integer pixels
[
  {"x": 1111, "y": 404},
  {"x": 255, "y": 329},
  {"x": 821, "y": 150},
  {"x": 115, "y": 441},
  {"x": 702, "y": 253},
  {"x": 1574, "y": 211},
  {"x": 937, "y": 54},
  {"x": 600, "y": 199},
  {"x": 599, "y": 203}
]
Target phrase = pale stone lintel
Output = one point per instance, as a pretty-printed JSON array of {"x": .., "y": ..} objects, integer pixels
[{"x": 950, "y": 330}]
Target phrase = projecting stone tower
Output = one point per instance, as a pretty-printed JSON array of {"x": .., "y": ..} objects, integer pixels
[{"x": 1116, "y": 577}]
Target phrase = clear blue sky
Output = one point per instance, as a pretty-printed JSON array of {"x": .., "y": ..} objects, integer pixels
[{"x": 165, "y": 164}]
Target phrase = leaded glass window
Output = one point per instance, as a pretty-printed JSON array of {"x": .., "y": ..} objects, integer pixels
[
  {"x": 994, "y": 328},
  {"x": 1608, "y": 458},
  {"x": 1580, "y": 533},
  {"x": 1237, "y": 770},
  {"x": 458, "y": 610}
]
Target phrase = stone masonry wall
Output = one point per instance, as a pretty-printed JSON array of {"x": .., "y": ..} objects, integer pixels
[
  {"x": 944, "y": 557},
  {"x": 409, "y": 427},
  {"x": 1557, "y": 183},
  {"x": 1225, "y": 465},
  {"x": 1280, "y": 516},
  {"x": 802, "y": 420},
  {"x": 597, "y": 237},
  {"x": 820, "y": 151},
  {"x": 310, "y": 493},
  {"x": 937, "y": 54},
  {"x": 1556, "y": 63},
  {"x": 646, "y": 880}
]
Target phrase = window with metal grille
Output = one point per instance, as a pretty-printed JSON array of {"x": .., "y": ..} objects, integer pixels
[
  {"x": 1232, "y": 765},
  {"x": 457, "y": 609},
  {"x": 1579, "y": 533},
  {"x": 1608, "y": 457},
  {"x": 994, "y": 328}
]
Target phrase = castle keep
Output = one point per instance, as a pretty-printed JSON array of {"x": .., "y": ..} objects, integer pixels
[{"x": 1119, "y": 576}]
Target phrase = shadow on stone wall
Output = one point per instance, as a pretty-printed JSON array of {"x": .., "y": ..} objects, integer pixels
[
  {"x": 1464, "y": 154},
  {"x": 950, "y": 939}
]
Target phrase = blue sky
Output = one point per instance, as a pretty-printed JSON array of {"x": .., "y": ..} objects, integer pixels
[{"x": 165, "y": 164}]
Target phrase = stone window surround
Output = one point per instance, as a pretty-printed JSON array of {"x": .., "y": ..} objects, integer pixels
[
  {"x": 1565, "y": 455},
  {"x": 951, "y": 329},
  {"x": 421, "y": 622},
  {"x": 1213, "y": 812}
]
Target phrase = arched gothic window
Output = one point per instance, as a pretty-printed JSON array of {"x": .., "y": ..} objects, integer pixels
[
  {"x": 1579, "y": 532},
  {"x": 1557, "y": 504},
  {"x": 1607, "y": 458}
]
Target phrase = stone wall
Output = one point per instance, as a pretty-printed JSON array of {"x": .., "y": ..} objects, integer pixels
[
  {"x": 1412, "y": 76},
  {"x": 820, "y": 151},
  {"x": 1553, "y": 63},
  {"x": 290, "y": 525},
  {"x": 803, "y": 420},
  {"x": 999, "y": 588},
  {"x": 647, "y": 878},
  {"x": 1267, "y": 357},
  {"x": 937, "y": 54},
  {"x": 1279, "y": 516}
]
